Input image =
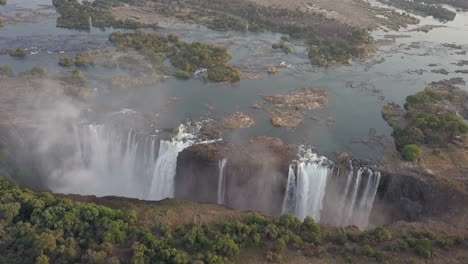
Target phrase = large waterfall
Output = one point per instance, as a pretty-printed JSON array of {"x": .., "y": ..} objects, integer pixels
[
  {"x": 221, "y": 181},
  {"x": 358, "y": 197},
  {"x": 107, "y": 162},
  {"x": 306, "y": 185},
  {"x": 162, "y": 183},
  {"x": 306, "y": 189}
]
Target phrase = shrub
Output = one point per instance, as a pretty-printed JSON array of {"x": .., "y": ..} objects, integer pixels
[
  {"x": 18, "y": 52},
  {"x": 411, "y": 152},
  {"x": 290, "y": 222},
  {"x": 423, "y": 247},
  {"x": 279, "y": 245},
  {"x": 66, "y": 61},
  {"x": 310, "y": 231},
  {"x": 180, "y": 74},
  {"x": 381, "y": 234},
  {"x": 226, "y": 246}
]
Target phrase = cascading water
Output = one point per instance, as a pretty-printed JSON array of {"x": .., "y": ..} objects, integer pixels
[
  {"x": 107, "y": 162},
  {"x": 306, "y": 185},
  {"x": 289, "y": 201},
  {"x": 163, "y": 180},
  {"x": 358, "y": 199},
  {"x": 221, "y": 181}
]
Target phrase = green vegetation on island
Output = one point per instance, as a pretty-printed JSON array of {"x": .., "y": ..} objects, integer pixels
[
  {"x": 319, "y": 32},
  {"x": 35, "y": 72},
  {"x": 283, "y": 46},
  {"x": 429, "y": 118},
  {"x": 38, "y": 227},
  {"x": 185, "y": 56},
  {"x": 84, "y": 14},
  {"x": 18, "y": 52}
]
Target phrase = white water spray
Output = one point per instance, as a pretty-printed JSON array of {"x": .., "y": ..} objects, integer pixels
[
  {"x": 221, "y": 181},
  {"x": 306, "y": 187},
  {"x": 163, "y": 180},
  {"x": 106, "y": 162}
]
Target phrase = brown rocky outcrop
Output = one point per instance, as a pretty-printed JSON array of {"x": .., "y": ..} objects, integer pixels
[{"x": 255, "y": 173}]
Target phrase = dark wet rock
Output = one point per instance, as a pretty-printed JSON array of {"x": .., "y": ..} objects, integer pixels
[
  {"x": 461, "y": 63},
  {"x": 256, "y": 173},
  {"x": 411, "y": 193},
  {"x": 448, "y": 84},
  {"x": 426, "y": 28},
  {"x": 397, "y": 36},
  {"x": 440, "y": 71},
  {"x": 364, "y": 86},
  {"x": 452, "y": 46},
  {"x": 463, "y": 52},
  {"x": 210, "y": 131},
  {"x": 416, "y": 72},
  {"x": 432, "y": 65},
  {"x": 462, "y": 71}
]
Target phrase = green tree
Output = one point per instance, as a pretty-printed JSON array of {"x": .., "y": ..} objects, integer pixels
[{"x": 411, "y": 152}]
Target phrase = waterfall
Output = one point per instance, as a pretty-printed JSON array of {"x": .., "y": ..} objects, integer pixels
[
  {"x": 221, "y": 181},
  {"x": 106, "y": 162},
  {"x": 358, "y": 198},
  {"x": 289, "y": 201},
  {"x": 357, "y": 181},
  {"x": 305, "y": 187},
  {"x": 163, "y": 180}
]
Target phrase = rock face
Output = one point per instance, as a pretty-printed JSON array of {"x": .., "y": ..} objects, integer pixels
[
  {"x": 197, "y": 173},
  {"x": 255, "y": 173},
  {"x": 414, "y": 195}
]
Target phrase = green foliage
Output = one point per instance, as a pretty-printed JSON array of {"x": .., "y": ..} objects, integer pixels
[
  {"x": 290, "y": 221},
  {"x": 344, "y": 40},
  {"x": 66, "y": 61},
  {"x": 283, "y": 46},
  {"x": 80, "y": 15},
  {"x": 310, "y": 231},
  {"x": 423, "y": 247},
  {"x": 180, "y": 74},
  {"x": 187, "y": 57},
  {"x": 429, "y": 122},
  {"x": 381, "y": 234},
  {"x": 18, "y": 52},
  {"x": 411, "y": 152},
  {"x": 35, "y": 72},
  {"x": 40, "y": 228}
]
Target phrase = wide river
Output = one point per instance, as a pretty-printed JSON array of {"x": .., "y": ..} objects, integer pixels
[{"x": 399, "y": 68}]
